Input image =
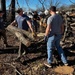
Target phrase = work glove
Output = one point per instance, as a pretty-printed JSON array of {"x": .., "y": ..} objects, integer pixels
[{"x": 45, "y": 38}]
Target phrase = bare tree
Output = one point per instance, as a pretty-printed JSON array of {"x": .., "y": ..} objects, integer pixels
[
  {"x": 57, "y": 3},
  {"x": 42, "y": 3},
  {"x": 72, "y": 2},
  {"x": 54, "y": 2},
  {"x": 27, "y": 2},
  {"x": 11, "y": 11},
  {"x": 17, "y": 3}
]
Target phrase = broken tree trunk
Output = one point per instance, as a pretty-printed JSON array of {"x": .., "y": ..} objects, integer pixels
[
  {"x": 15, "y": 29},
  {"x": 19, "y": 34}
]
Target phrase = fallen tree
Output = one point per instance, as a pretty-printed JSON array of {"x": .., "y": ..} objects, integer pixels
[
  {"x": 20, "y": 34},
  {"x": 24, "y": 37}
]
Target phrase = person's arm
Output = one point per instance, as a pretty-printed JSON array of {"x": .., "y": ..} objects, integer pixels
[
  {"x": 14, "y": 23},
  {"x": 30, "y": 26},
  {"x": 47, "y": 30}
]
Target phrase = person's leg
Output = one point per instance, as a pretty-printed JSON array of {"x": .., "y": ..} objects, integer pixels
[
  {"x": 59, "y": 48},
  {"x": 24, "y": 49},
  {"x": 50, "y": 43}
]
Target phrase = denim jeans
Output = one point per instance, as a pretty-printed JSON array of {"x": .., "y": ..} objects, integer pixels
[{"x": 54, "y": 41}]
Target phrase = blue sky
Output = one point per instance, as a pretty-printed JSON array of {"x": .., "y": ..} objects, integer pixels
[{"x": 34, "y": 3}]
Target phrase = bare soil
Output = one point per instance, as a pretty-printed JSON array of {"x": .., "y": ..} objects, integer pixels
[{"x": 32, "y": 63}]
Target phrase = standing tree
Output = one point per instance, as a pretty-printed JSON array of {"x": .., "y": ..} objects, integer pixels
[
  {"x": 42, "y": 3},
  {"x": 54, "y": 2},
  {"x": 48, "y": 3},
  {"x": 72, "y": 2},
  {"x": 3, "y": 8},
  {"x": 12, "y": 10}
]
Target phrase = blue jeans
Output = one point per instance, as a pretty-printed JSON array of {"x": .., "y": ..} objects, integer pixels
[{"x": 54, "y": 41}]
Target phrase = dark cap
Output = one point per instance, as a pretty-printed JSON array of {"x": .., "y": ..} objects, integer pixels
[
  {"x": 19, "y": 10},
  {"x": 1, "y": 11}
]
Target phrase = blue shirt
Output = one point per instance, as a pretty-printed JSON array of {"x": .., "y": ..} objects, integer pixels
[
  {"x": 19, "y": 20},
  {"x": 22, "y": 22}
]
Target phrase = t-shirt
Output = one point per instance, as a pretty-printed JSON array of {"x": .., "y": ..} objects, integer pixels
[
  {"x": 22, "y": 22},
  {"x": 55, "y": 21},
  {"x": 26, "y": 17},
  {"x": 19, "y": 20},
  {"x": 1, "y": 23}
]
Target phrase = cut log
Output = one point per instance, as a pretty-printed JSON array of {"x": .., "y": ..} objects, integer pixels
[
  {"x": 15, "y": 29},
  {"x": 22, "y": 39},
  {"x": 19, "y": 35},
  {"x": 72, "y": 14},
  {"x": 72, "y": 24}
]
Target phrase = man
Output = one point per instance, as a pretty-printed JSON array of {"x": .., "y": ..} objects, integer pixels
[
  {"x": 2, "y": 29},
  {"x": 34, "y": 21},
  {"x": 53, "y": 34},
  {"x": 23, "y": 22}
]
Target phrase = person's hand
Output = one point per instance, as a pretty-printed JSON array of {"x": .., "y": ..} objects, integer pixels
[
  {"x": 45, "y": 38},
  {"x": 34, "y": 34}
]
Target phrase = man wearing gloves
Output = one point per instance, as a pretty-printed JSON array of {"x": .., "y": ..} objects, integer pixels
[{"x": 53, "y": 34}]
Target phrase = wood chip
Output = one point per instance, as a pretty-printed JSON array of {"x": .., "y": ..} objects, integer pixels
[{"x": 64, "y": 70}]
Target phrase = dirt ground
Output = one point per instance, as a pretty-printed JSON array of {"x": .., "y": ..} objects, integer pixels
[{"x": 32, "y": 63}]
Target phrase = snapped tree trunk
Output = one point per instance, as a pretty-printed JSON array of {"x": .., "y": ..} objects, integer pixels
[
  {"x": 15, "y": 29},
  {"x": 19, "y": 34}
]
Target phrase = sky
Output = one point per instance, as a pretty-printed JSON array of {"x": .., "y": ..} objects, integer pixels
[{"x": 34, "y": 3}]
